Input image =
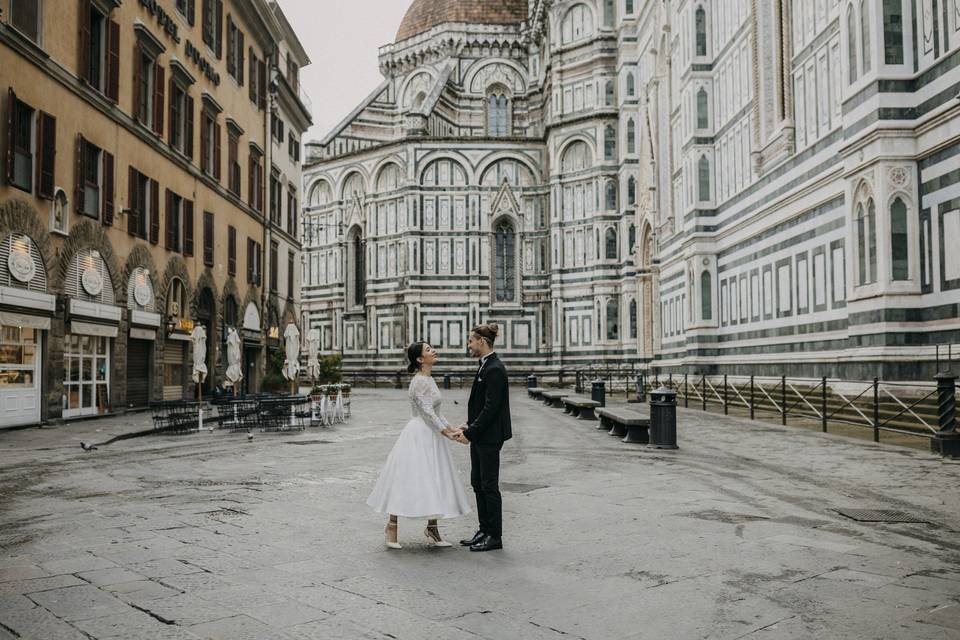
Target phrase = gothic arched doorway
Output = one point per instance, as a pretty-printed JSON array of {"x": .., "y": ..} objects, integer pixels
[{"x": 206, "y": 312}]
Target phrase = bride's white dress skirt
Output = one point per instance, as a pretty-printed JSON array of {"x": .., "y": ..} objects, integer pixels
[{"x": 419, "y": 479}]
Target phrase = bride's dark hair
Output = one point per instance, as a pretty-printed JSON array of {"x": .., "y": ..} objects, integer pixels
[{"x": 414, "y": 351}]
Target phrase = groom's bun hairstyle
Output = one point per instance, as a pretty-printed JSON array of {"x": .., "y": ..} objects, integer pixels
[
  {"x": 414, "y": 351},
  {"x": 488, "y": 331}
]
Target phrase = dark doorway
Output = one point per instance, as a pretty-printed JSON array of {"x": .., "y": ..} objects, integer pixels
[
  {"x": 139, "y": 364},
  {"x": 250, "y": 369},
  {"x": 206, "y": 311}
]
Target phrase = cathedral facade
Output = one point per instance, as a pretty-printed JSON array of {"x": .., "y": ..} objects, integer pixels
[{"x": 681, "y": 185}]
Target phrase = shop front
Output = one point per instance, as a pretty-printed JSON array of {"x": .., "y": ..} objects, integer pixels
[
  {"x": 92, "y": 328},
  {"x": 144, "y": 324},
  {"x": 252, "y": 347},
  {"x": 176, "y": 350},
  {"x": 25, "y": 311}
]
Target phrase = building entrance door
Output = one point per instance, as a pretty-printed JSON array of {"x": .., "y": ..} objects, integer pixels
[
  {"x": 138, "y": 373},
  {"x": 19, "y": 376}
]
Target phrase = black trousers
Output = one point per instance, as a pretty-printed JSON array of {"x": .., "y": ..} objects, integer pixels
[{"x": 485, "y": 479}]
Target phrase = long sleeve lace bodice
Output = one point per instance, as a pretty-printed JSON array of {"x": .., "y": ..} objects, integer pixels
[{"x": 425, "y": 402}]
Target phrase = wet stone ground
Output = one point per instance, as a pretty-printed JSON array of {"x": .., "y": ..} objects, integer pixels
[{"x": 733, "y": 536}]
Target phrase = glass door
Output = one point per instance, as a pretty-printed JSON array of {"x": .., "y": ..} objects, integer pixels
[
  {"x": 86, "y": 378},
  {"x": 19, "y": 375}
]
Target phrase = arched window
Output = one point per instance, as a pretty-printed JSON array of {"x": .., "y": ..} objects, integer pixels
[
  {"x": 577, "y": 24},
  {"x": 358, "y": 271},
  {"x": 633, "y": 319},
  {"x": 700, "y": 31},
  {"x": 609, "y": 142},
  {"x": 321, "y": 193},
  {"x": 505, "y": 264},
  {"x": 631, "y": 136},
  {"x": 613, "y": 319},
  {"x": 899, "y": 246},
  {"x": 610, "y": 241},
  {"x": 576, "y": 156},
  {"x": 230, "y": 312},
  {"x": 631, "y": 190},
  {"x": 628, "y": 5},
  {"x": 632, "y": 239},
  {"x": 703, "y": 119},
  {"x": 851, "y": 46},
  {"x": 608, "y": 13},
  {"x": 865, "y": 35},
  {"x": 706, "y": 296},
  {"x": 631, "y": 84},
  {"x": 893, "y": 31},
  {"x": 610, "y": 196},
  {"x": 866, "y": 224},
  {"x": 703, "y": 179},
  {"x": 610, "y": 98},
  {"x": 498, "y": 114}
]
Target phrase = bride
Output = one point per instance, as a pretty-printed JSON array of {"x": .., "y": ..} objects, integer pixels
[{"x": 419, "y": 479}]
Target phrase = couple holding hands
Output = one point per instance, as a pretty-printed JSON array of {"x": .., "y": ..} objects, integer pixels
[{"x": 419, "y": 479}]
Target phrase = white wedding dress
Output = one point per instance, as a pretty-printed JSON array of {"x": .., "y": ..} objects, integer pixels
[{"x": 419, "y": 479}]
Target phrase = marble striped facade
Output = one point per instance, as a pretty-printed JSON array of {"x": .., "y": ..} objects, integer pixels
[{"x": 726, "y": 186}]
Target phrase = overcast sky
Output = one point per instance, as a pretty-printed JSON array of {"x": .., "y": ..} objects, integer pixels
[{"x": 341, "y": 37}]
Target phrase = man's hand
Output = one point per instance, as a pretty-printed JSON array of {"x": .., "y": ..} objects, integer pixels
[
  {"x": 451, "y": 432},
  {"x": 462, "y": 439}
]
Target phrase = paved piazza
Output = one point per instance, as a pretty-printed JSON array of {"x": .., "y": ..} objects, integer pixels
[{"x": 732, "y": 536}]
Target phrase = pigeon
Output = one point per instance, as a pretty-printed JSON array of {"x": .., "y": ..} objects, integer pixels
[
  {"x": 88, "y": 447},
  {"x": 455, "y": 402},
  {"x": 249, "y": 436}
]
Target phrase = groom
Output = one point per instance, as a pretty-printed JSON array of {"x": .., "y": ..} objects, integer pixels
[{"x": 487, "y": 428}]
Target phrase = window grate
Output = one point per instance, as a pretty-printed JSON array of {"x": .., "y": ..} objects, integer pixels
[{"x": 879, "y": 515}]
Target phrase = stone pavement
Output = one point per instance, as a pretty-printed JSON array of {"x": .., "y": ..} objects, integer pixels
[{"x": 732, "y": 536}]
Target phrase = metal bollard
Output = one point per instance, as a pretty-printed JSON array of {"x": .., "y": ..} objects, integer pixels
[
  {"x": 397, "y": 383},
  {"x": 947, "y": 440},
  {"x": 598, "y": 392},
  {"x": 663, "y": 419},
  {"x": 446, "y": 381},
  {"x": 641, "y": 389},
  {"x": 531, "y": 381}
]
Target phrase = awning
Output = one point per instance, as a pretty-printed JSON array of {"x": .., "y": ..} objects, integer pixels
[
  {"x": 92, "y": 329},
  {"x": 12, "y": 319}
]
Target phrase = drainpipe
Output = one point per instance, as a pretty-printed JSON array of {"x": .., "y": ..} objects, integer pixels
[{"x": 267, "y": 173}]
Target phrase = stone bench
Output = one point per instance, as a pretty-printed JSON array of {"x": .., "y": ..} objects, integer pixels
[
  {"x": 555, "y": 398},
  {"x": 535, "y": 392},
  {"x": 633, "y": 427},
  {"x": 580, "y": 407}
]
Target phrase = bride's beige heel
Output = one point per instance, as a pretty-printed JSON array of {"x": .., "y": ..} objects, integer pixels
[
  {"x": 391, "y": 545},
  {"x": 433, "y": 537}
]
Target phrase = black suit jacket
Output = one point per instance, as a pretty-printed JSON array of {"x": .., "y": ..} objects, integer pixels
[{"x": 488, "y": 410}]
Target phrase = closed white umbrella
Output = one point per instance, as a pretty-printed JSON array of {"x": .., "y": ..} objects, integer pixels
[
  {"x": 234, "y": 370},
  {"x": 291, "y": 366},
  {"x": 199, "y": 339},
  {"x": 313, "y": 349}
]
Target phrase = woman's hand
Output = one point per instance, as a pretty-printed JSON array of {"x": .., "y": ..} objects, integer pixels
[{"x": 451, "y": 433}]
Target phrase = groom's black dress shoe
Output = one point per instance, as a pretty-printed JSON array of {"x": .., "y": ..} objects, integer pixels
[
  {"x": 477, "y": 537},
  {"x": 489, "y": 543}
]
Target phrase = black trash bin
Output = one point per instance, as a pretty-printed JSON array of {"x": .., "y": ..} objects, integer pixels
[
  {"x": 598, "y": 392},
  {"x": 531, "y": 381},
  {"x": 446, "y": 381},
  {"x": 663, "y": 418}
]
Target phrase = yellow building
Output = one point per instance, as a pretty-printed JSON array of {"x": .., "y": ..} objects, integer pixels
[{"x": 135, "y": 148}]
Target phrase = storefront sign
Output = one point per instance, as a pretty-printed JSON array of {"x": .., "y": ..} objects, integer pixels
[
  {"x": 166, "y": 22},
  {"x": 23, "y": 320},
  {"x": 91, "y": 329},
  {"x": 143, "y": 334},
  {"x": 204, "y": 65},
  {"x": 183, "y": 324}
]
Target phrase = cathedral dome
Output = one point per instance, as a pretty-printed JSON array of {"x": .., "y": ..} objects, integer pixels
[{"x": 424, "y": 15}]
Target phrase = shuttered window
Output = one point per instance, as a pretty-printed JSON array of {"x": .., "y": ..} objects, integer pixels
[
  {"x": 208, "y": 238},
  {"x": 231, "y": 251},
  {"x": 94, "y": 188}
]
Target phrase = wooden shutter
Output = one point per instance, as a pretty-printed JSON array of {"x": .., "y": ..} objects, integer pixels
[
  {"x": 231, "y": 47},
  {"x": 46, "y": 154},
  {"x": 171, "y": 241},
  {"x": 218, "y": 35},
  {"x": 204, "y": 141},
  {"x": 137, "y": 73},
  {"x": 134, "y": 205},
  {"x": 231, "y": 251},
  {"x": 240, "y": 61},
  {"x": 154, "y": 212},
  {"x": 11, "y": 132},
  {"x": 191, "y": 11},
  {"x": 80, "y": 173},
  {"x": 84, "y": 44},
  {"x": 262, "y": 84},
  {"x": 249, "y": 261},
  {"x": 172, "y": 116},
  {"x": 159, "y": 82},
  {"x": 216, "y": 151},
  {"x": 251, "y": 198},
  {"x": 253, "y": 77},
  {"x": 188, "y": 228},
  {"x": 208, "y": 238},
  {"x": 188, "y": 127},
  {"x": 106, "y": 189},
  {"x": 113, "y": 60}
]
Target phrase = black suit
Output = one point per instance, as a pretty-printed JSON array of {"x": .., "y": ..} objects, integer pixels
[{"x": 488, "y": 427}]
